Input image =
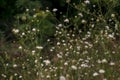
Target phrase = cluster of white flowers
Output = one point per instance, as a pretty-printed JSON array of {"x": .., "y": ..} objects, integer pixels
[
  {"x": 47, "y": 62},
  {"x": 15, "y": 30}
]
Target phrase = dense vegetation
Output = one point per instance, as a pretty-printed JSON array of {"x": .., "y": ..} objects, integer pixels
[{"x": 59, "y": 40}]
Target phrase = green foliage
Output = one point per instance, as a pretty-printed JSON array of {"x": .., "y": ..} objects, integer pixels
[
  {"x": 37, "y": 26},
  {"x": 28, "y": 4}
]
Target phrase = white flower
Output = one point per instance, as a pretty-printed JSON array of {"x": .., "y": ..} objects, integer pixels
[
  {"x": 36, "y": 61},
  {"x": 20, "y": 76},
  {"x": 15, "y": 65},
  {"x": 33, "y": 52},
  {"x": 95, "y": 74},
  {"x": 47, "y": 11},
  {"x": 84, "y": 65},
  {"x": 59, "y": 56},
  {"x": 35, "y": 16},
  {"x": 112, "y": 63},
  {"x": 74, "y": 67},
  {"x": 48, "y": 40},
  {"x": 47, "y": 62},
  {"x": 111, "y": 36},
  {"x": 20, "y": 47},
  {"x": 87, "y": 2},
  {"x": 112, "y": 15},
  {"x": 39, "y": 47},
  {"x": 80, "y": 14},
  {"x": 101, "y": 71},
  {"x": 107, "y": 27},
  {"x": 54, "y": 10},
  {"x": 15, "y": 30},
  {"x": 7, "y": 64},
  {"x": 66, "y": 20},
  {"x": 59, "y": 25},
  {"x": 66, "y": 63},
  {"x": 3, "y": 75},
  {"x": 58, "y": 43},
  {"x": 27, "y": 10},
  {"x": 23, "y": 33},
  {"x": 62, "y": 78},
  {"x": 104, "y": 61},
  {"x": 34, "y": 9},
  {"x": 83, "y": 21},
  {"x": 33, "y": 29},
  {"x": 15, "y": 74},
  {"x": 48, "y": 76},
  {"x": 94, "y": 5},
  {"x": 99, "y": 61}
]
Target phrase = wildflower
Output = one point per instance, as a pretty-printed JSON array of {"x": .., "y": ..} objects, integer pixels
[
  {"x": 62, "y": 78},
  {"x": 20, "y": 76},
  {"x": 15, "y": 65},
  {"x": 83, "y": 21},
  {"x": 95, "y": 74},
  {"x": 47, "y": 11},
  {"x": 59, "y": 25},
  {"x": 87, "y": 2},
  {"x": 3, "y": 75},
  {"x": 47, "y": 62},
  {"x": 34, "y": 9},
  {"x": 33, "y": 52},
  {"x": 54, "y": 10},
  {"x": 66, "y": 20},
  {"x": 35, "y": 16},
  {"x": 78, "y": 47},
  {"x": 66, "y": 63},
  {"x": 7, "y": 64},
  {"x": 59, "y": 56},
  {"x": 48, "y": 76},
  {"x": 101, "y": 71},
  {"x": 23, "y": 34},
  {"x": 33, "y": 29},
  {"x": 84, "y": 65},
  {"x": 48, "y": 40},
  {"x": 36, "y": 61},
  {"x": 104, "y": 61},
  {"x": 15, "y": 31},
  {"x": 74, "y": 67},
  {"x": 80, "y": 14},
  {"x": 107, "y": 27},
  {"x": 27, "y": 10},
  {"x": 99, "y": 61},
  {"x": 20, "y": 47},
  {"x": 111, "y": 36},
  {"x": 58, "y": 43},
  {"x": 94, "y": 6},
  {"x": 112, "y": 63},
  {"x": 15, "y": 74},
  {"x": 112, "y": 15},
  {"x": 39, "y": 47}
]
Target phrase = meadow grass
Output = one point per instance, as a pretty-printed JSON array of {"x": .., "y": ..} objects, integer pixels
[{"x": 73, "y": 54}]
